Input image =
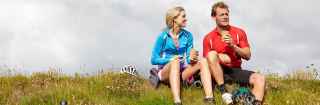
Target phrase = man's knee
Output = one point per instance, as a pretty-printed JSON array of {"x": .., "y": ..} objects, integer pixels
[
  {"x": 261, "y": 79},
  {"x": 212, "y": 56},
  {"x": 224, "y": 58},
  {"x": 257, "y": 79},
  {"x": 203, "y": 62},
  {"x": 204, "y": 66}
]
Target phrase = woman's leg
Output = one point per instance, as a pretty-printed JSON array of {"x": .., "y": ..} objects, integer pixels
[
  {"x": 171, "y": 72},
  {"x": 204, "y": 74},
  {"x": 190, "y": 70}
]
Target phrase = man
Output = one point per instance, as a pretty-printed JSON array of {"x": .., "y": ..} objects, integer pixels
[{"x": 224, "y": 48}]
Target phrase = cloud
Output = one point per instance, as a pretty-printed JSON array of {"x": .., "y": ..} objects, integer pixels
[
  {"x": 87, "y": 35},
  {"x": 282, "y": 31}
]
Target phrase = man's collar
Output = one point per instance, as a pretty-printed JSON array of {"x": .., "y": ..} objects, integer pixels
[{"x": 215, "y": 30}]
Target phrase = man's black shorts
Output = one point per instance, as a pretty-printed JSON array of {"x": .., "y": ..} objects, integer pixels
[{"x": 236, "y": 75}]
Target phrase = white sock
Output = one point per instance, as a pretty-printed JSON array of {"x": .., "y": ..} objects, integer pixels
[
  {"x": 209, "y": 97},
  {"x": 177, "y": 101}
]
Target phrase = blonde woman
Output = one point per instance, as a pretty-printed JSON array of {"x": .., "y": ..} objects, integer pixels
[{"x": 174, "y": 54}]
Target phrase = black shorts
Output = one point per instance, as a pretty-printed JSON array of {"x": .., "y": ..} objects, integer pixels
[{"x": 236, "y": 75}]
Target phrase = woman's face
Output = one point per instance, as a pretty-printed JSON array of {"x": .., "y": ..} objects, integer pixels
[{"x": 181, "y": 20}]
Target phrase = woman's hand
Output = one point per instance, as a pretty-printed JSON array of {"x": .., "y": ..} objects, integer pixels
[{"x": 194, "y": 55}]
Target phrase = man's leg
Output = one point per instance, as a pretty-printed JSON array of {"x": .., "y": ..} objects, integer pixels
[
  {"x": 249, "y": 77},
  {"x": 258, "y": 82},
  {"x": 217, "y": 73},
  {"x": 215, "y": 68}
]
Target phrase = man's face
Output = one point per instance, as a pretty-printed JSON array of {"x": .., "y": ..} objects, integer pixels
[{"x": 222, "y": 17}]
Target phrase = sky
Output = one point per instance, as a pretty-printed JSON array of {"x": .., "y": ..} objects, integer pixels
[{"x": 90, "y": 35}]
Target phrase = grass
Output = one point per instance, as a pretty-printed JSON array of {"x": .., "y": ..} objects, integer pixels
[{"x": 109, "y": 88}]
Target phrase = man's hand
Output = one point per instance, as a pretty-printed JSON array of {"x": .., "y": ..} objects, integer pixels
[
  {"x": 194, "y": 55},
  {"x": 226, "y": 37}
]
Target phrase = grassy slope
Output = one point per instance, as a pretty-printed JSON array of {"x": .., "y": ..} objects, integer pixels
[{"x": 115, "y": 89}]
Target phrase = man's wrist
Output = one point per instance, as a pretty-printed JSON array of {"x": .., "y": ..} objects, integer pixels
[{"x": 234, "y": 47}]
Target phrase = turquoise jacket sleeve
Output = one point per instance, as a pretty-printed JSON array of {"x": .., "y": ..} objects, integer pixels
[
  {"x": 189, "y": 47},
  {"x": 156, "y": 58}
]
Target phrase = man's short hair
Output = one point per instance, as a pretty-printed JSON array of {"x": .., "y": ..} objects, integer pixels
[{"x": 218, "y": 5}]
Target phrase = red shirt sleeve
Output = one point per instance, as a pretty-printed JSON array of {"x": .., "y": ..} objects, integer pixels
[{"x": 243, "y": 42}]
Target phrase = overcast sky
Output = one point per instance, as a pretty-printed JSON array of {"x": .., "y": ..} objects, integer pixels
[{"x": 87, "y": 35}]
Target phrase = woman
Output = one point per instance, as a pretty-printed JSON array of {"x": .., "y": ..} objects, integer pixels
[{"x": 174, "y": 54}]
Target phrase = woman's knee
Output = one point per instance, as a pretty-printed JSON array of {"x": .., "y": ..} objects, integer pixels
[
  {"x": 174, "y": 62},
  {"x": 174, "y": 66},
  {"x": 190, "y": 70}
]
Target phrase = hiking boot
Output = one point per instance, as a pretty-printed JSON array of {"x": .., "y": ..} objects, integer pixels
[
  {"x": 227, "y": 98},
  {"x": 243, "y": 96},
  {"x": 197, "y": 83},
  {"x": 256, "y": 102},
  {"x": 153, "y": 78}
]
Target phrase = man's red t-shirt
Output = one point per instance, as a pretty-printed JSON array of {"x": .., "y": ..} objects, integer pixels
[{"x": 213, "y": 41}]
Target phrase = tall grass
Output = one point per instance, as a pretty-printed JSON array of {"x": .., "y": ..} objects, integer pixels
[{"x": 110, "y": 88}]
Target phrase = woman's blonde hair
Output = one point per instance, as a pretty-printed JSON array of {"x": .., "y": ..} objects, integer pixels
[{"x": 172, "y": 14}]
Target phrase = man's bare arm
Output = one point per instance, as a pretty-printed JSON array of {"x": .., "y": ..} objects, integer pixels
[{"x": 244, "y": 53}]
